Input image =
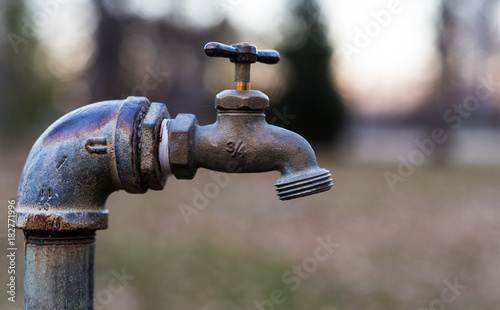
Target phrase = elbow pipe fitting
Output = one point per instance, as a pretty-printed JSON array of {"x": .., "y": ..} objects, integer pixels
[
  {"x": 241, "y": 141},
  {"x": 85, "y": 156},
  {"x": 71, "y": 170}
]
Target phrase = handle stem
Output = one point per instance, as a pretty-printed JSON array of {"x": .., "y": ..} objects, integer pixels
[{"x": 242, "y": 76}]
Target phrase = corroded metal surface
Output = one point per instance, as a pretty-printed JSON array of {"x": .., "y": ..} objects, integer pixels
[
  {"x": 63, "y": 221},
  {"x": 71, "y": 170},
  {"x": 180, "y": 146},
  {"x": 241, "y": 140},
  {"x": 241, "y": 99},
  {"x": 59, "y": 271},
  {"x": 149, "y": 137},
  {"x": 85, "y": 156},
  {"x": 126, "y": 146}
]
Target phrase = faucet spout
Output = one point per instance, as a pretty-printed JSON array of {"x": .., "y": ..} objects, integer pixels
[{"x": 241, "y": 141}]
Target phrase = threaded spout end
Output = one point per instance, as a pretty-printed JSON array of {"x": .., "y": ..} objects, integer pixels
[{"x": 305, "y": 185}]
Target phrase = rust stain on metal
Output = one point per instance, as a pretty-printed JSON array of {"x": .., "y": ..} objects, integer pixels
[
  {"x": 49, "y": 222},
  {"x": 58, "y": 223},
  {"x": 59, "y": 268}
]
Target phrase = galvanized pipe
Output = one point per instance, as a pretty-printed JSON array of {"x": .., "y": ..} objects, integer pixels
[
  {"x": 59, "y": 270},
  {"x": 70, "y": 172}
]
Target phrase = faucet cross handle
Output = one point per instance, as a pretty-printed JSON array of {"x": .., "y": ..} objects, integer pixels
[{"x": 242, "y": 55}]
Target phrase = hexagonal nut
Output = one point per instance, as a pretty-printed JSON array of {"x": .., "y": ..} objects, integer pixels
[
  {"x": 151, "y": 174},
  {"x": 241, "y": 100},
  {"x": 181, "y": 135}
]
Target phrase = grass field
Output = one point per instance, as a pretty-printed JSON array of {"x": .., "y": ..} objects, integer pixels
[{"x": 433, "y": 243}]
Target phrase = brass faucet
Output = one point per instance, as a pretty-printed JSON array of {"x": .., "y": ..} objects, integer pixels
[{"x": 241, "y": 140}]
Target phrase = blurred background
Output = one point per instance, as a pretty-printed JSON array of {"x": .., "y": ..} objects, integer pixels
[{"x": 400, "y": 98}]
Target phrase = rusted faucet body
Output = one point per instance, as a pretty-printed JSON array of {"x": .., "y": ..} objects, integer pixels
[
  {"x": 241, "y": 141},
  {"x": 133, "y": 145}
]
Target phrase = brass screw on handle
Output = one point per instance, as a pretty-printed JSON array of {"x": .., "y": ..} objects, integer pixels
[{"x": 242, "y": 54}]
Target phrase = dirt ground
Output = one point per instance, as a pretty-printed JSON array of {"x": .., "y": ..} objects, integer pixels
[{"x": 433, "y": 243}]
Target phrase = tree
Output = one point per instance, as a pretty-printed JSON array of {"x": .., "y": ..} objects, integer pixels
[
  {"x": 26, "y": 102},
  {"x": 317, "y": 110}
]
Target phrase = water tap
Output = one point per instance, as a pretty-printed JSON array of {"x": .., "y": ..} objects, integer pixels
[{"x": 241, "y": 141}]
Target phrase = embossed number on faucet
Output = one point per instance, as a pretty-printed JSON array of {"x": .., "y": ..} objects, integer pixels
[{"x": 236, "y": 149}]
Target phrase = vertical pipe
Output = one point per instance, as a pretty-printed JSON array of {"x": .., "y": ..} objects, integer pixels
[{"x": 59, "y": 270}]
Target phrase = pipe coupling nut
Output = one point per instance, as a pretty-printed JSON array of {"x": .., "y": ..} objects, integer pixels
[
  {"x": 241, "y": 100},
  {"x": 180, "y": 146}
]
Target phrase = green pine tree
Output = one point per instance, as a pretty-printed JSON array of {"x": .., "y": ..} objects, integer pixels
[
  {"x": 314, "y": 107},
  {"x": 26, "y": 103}
]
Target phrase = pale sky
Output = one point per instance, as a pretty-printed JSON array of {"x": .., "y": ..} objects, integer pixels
[
  {"x": 384, "y": 48},
  {"x": 397, "y": 53},
  {"x": 395, "y": 61}
]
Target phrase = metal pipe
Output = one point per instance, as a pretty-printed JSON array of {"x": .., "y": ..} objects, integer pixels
[
  {"x": 85, "y": 156},
  {"x": 59, "y": 270},
  {"x": 70, "y": 172}
]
